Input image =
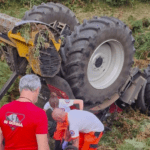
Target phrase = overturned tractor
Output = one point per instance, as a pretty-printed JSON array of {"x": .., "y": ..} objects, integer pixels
[{"x": 90, "y": 61}]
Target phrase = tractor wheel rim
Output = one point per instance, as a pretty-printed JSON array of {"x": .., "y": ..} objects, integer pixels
[{"x": 105, "y": 64}]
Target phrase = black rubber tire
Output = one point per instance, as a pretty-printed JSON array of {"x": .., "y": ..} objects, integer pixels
[
  {"x": 143, "y": 101},
  {"x": 80, "y": 46},
  {"x": 51, "y": 12}
]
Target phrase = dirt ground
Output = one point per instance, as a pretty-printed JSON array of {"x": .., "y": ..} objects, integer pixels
[
  {"x": 140, "y": 63},
  {"x": 145, "y": 134}
]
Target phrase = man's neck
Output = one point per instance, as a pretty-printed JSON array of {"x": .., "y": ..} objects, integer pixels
[
  {"x": 24, "y": 99},
  {"x": 26, "y": 96}
]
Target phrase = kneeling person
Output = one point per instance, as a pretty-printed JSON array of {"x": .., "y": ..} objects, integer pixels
[
  {"x": 85, "y": 128},
  {"x": 63, "y": 104}
]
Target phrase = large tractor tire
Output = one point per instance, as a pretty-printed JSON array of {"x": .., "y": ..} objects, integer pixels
[
  {"x": 51, "y": 12},
  {"x": 143, "y": 101},
  {"x": 99, "y": 55}
]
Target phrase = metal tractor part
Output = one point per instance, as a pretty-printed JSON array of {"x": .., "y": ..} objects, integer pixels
[
  {"x": 40, "y": 42},
  {"x": 40, "y": 48},
  {"x": 92, "y": 60}
]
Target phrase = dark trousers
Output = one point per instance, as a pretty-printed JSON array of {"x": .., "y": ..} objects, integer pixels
[{"x": 58, "y": 145}]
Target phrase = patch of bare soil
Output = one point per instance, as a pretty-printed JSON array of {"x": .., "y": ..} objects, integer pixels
[
  {"x": 134, "y": 115},
  {"x": 140, "y": 63},
  {"x": 144, "y": 135}
]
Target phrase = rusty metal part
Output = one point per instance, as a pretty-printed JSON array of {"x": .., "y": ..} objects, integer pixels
[
  {"x": 7, "y": 23},
  {"x": 59, "y": 26},
  {"x": 106, "y": 103}
]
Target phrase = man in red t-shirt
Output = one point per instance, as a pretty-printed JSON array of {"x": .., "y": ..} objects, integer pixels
[{"x": 23, "y": 125}]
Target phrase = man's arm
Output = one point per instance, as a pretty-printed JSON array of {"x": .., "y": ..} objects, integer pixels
[
  {"x": 67, "y": 135},
  {"x": 75, "y": 140},
  {"x": 79, "y": 102},
  {"x": 42, "y": 141},
  {"x": 1, "y": 140}
]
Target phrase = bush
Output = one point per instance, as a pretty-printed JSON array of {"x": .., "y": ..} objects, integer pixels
[
  {"x": 142, "y": 45},
  {"x": 119, "y": 2},
  {"x": 136, "y": 25},
  {"x": 145, "y": 22},
  {"x": 142, "y": 37}
]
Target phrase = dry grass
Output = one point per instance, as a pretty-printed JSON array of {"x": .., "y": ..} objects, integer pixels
[
  {"x": 139, "y": 10},
  {"x": 127, "y": 125},
  {"x": 145, "y": 134},
  {"x": 140, "y": 63}
]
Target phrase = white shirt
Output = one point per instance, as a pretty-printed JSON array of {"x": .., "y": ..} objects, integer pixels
[
  {"x": 83, "y": 121},
  {"x": 63, "y": 103}
]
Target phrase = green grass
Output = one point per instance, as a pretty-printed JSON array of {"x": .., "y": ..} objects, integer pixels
[
  {"x": 133, "y": 144},
  {"x": 129, "y": 126},
  {"x": 14, "y": 10},
  {"x": 129, "y": 132}
]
